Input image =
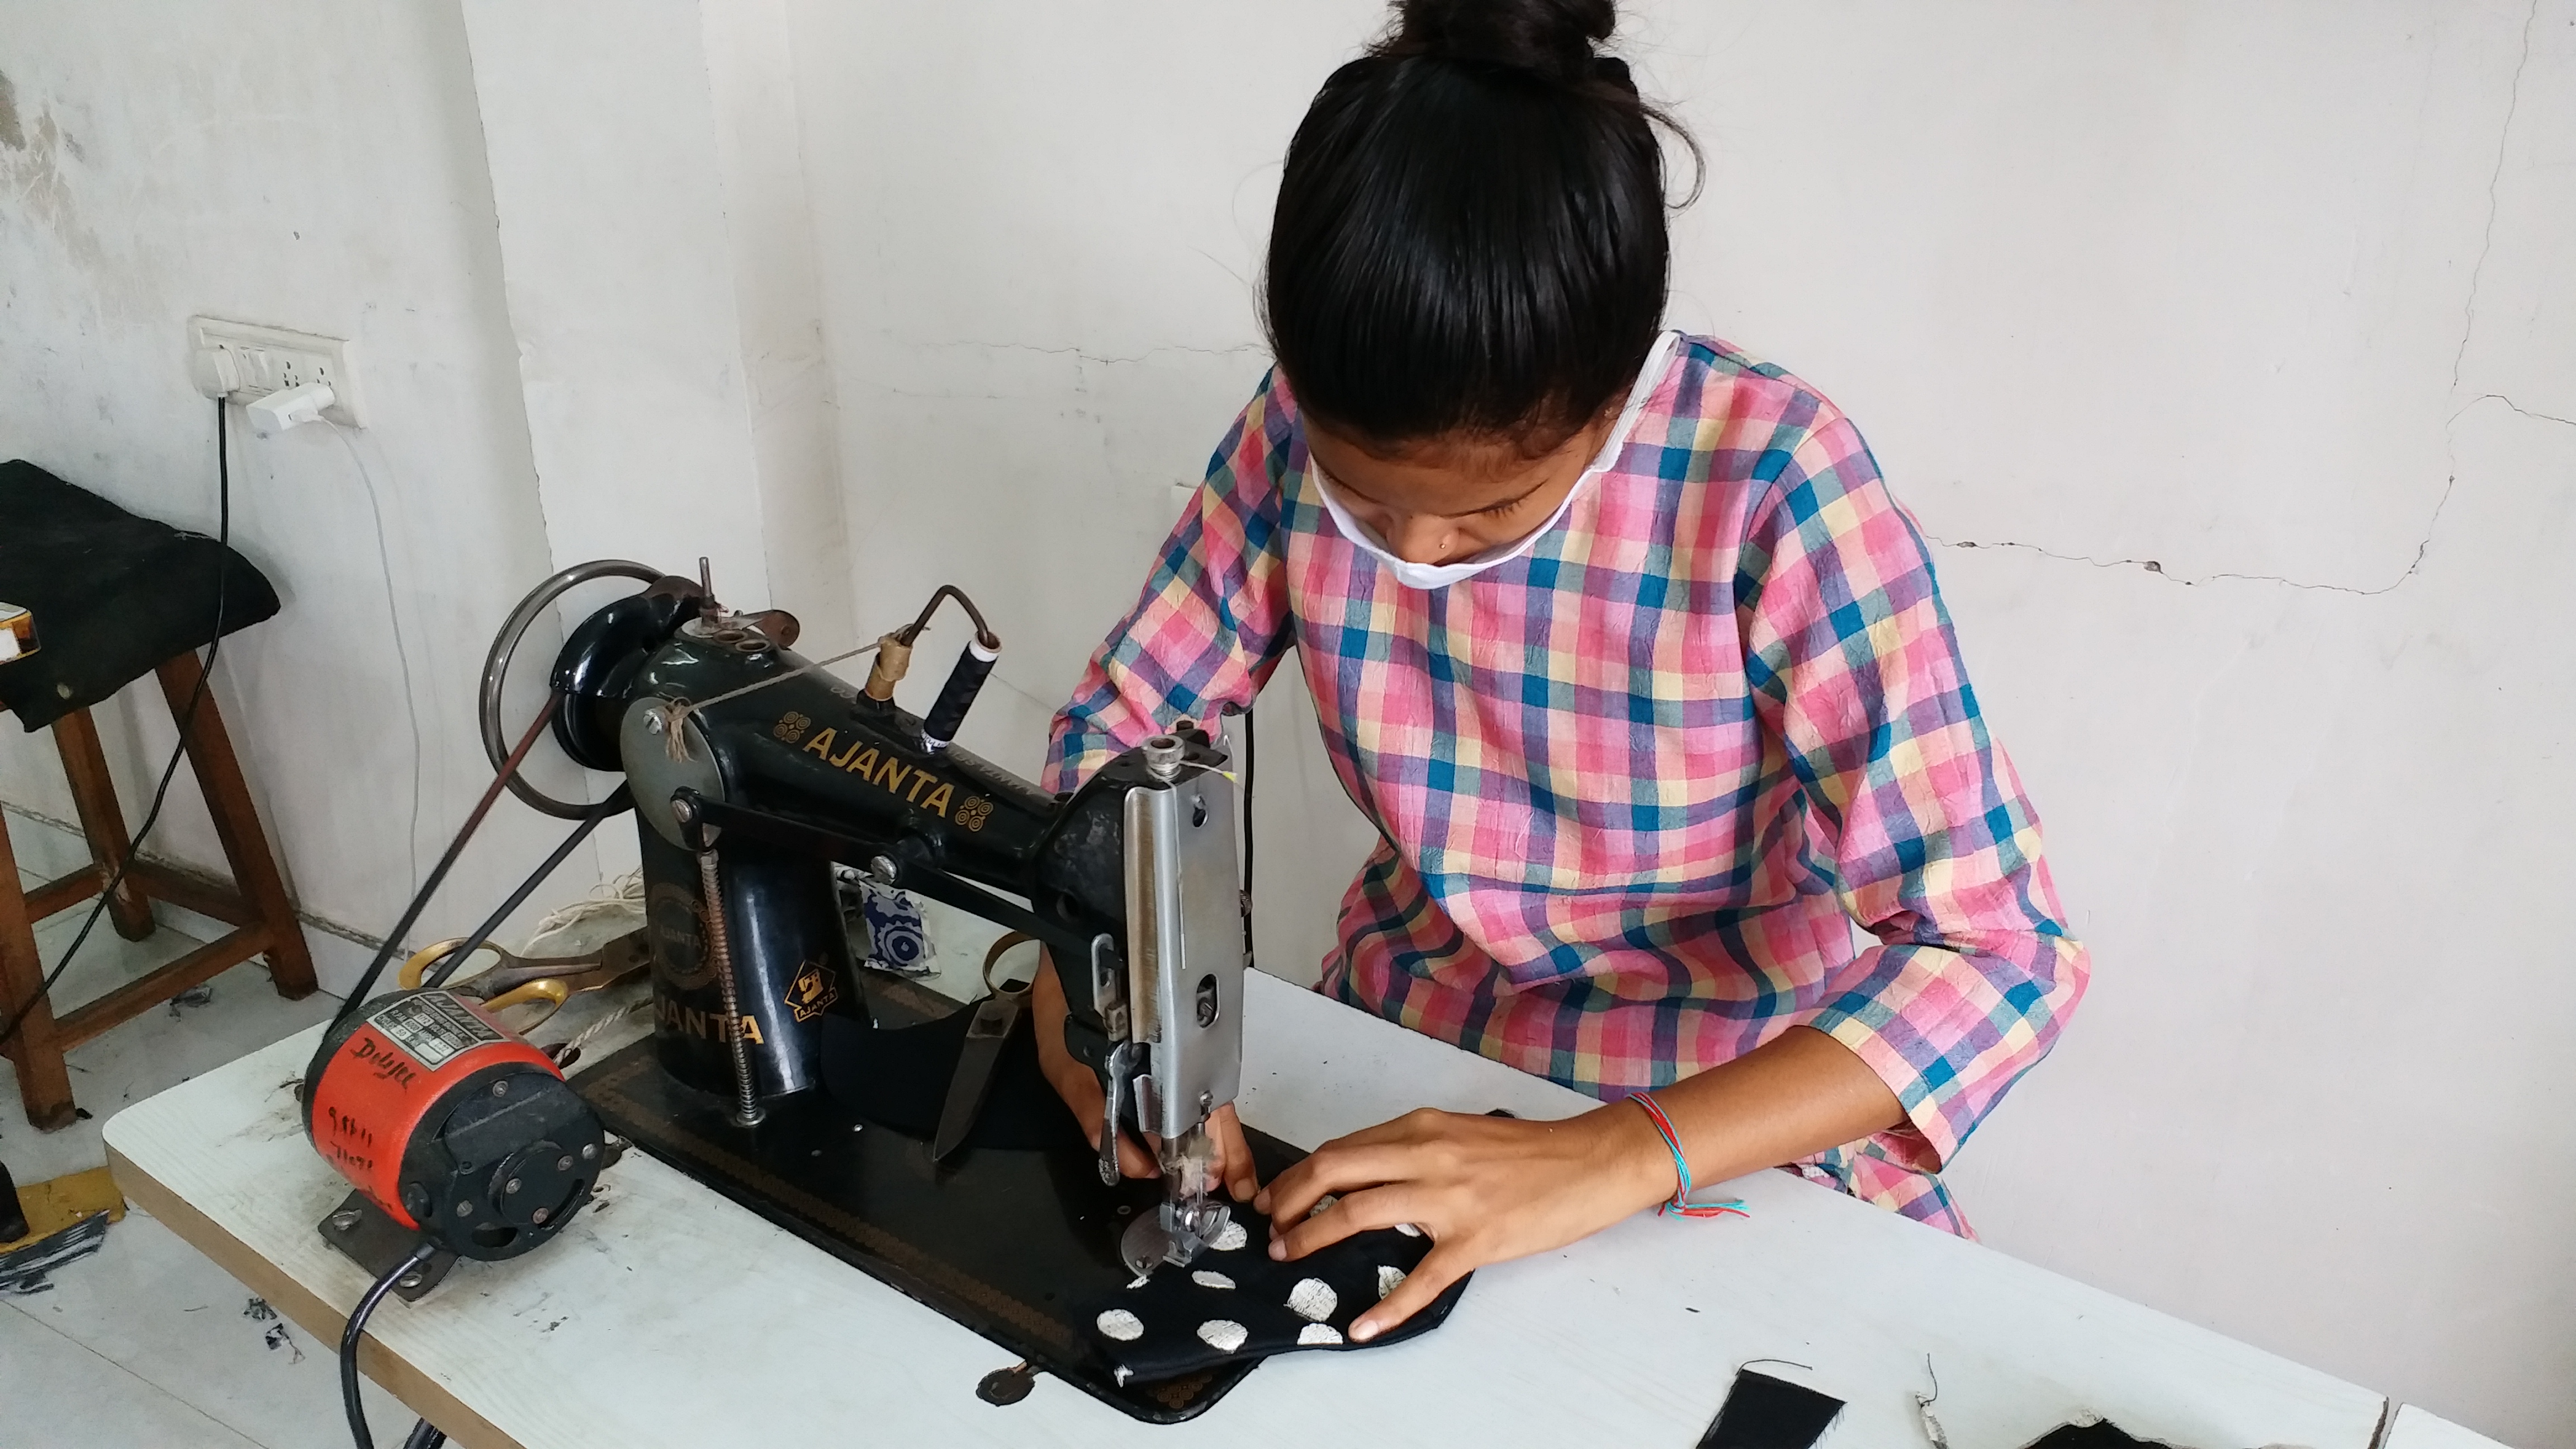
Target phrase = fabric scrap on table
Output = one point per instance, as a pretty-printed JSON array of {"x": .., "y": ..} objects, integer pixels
[{"x": 1765, "y": 1412}]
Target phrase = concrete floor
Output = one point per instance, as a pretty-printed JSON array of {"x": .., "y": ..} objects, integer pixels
[{"x": 147, "y": 1343}]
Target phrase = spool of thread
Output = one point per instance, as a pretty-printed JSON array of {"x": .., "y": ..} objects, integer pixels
[{"x": 974, "y": 666}]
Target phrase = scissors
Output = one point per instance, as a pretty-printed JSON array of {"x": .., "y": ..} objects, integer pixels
[{"x": 545, "y": 981}]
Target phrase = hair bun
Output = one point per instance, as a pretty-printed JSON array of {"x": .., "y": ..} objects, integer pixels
[{"x": 1552, "y": 38}]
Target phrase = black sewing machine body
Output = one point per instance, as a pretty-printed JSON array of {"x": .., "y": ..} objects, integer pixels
[
  {"x": 808, "y": 771},
  {"x": 760, "y": 791}
]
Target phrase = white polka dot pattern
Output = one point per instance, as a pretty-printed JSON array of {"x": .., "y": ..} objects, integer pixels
[
  {"x": 1409, "y": 1230},
  {"x": 1206, "y": 1279},
  {"x": 1388, "y": 1279},
  {"x": 1312, "y": 1299},
  {"x": 1121, "y": 1325},
  {"x": 1222, "y": 1334},
  {"x": 1229, "y": 1238},
  {"x": 1317, "y": 1333}
]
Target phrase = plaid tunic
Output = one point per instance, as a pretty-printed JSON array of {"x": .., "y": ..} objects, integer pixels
[{"x": 1634, "y": 787}]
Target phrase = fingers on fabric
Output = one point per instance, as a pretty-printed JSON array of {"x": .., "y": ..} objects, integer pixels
[
  {"x": 1397, "y": 1205},
  {"x": 1337, "y": 1166},
  {"x": 1413, "y": 1291}
]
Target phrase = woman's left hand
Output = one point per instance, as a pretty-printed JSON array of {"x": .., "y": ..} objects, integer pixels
[{"x": 1485, "y": 1189}]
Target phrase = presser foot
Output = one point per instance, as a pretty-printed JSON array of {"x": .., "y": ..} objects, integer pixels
[
  {"x": 1171, "y": 1234},
  {"x": 1194, "y": 1210}
]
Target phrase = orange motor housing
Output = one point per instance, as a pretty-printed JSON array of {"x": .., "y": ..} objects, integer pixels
[{"x": 452, "y": 1124}]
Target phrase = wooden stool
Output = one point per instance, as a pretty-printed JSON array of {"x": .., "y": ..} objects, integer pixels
[
  {"x": 258, "y": 910},
  {"x": 115, "y": 596}
]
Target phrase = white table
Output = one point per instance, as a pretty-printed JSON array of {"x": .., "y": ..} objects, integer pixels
[
  {"x": 669, "y": 1316},
  {"x": 2413, "y": 1428}
]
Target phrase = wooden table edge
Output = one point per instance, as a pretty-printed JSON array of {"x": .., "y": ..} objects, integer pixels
[{"x": 393, "y": 1373}]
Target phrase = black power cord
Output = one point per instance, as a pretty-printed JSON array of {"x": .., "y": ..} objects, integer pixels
[
  {"x": 357, "y": 1329},
  {"x": 187, "y": 721}
]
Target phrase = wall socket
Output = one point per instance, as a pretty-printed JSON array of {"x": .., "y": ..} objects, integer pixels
[{"x": 245, "y": 362}]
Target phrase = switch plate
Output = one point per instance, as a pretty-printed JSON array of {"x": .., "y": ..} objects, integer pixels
[{"x": 262, "y": 360}]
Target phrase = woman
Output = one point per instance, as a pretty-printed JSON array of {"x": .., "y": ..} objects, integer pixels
[{"x": 1621, "y": 643}]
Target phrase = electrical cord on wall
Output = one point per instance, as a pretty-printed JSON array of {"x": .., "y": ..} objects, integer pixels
[
  {"x": 393, "y": 621},
  {"x": 187, "y": 720}
]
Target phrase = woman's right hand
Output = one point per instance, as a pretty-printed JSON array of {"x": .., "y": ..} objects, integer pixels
[{"x": 1077, "y": 1084}]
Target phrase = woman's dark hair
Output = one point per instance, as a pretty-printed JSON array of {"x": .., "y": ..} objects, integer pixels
[{"x": 1470, "y": 231}]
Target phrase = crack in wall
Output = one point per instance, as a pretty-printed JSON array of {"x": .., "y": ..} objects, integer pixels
[
  {"x": 2159, "y": 570},
  {"x": 2495, "y": 179},
  {"x": 2468, "y": 330},
  {"x": 2538, "y": 417},
  {"x": 2153, "y": 566}
]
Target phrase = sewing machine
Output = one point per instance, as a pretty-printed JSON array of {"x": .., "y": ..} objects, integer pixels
[
  {"x": 747, "y": 798},
  {"x": 754, "y": 772}
]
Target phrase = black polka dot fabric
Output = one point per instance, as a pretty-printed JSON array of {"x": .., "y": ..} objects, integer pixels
[{"x": 1235, "y": 1304}]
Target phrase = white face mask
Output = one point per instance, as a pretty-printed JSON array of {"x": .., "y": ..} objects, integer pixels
[{"x": 1440, "y": 576}]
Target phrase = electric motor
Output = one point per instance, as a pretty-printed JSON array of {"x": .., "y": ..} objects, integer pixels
[{"x": 452, "y": 1124}]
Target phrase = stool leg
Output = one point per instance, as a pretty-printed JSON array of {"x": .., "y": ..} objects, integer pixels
[
  {"x": 94, "y": 794},
  {"x": 44, "y": 1083},
  {"x": 219, "y": 777}
]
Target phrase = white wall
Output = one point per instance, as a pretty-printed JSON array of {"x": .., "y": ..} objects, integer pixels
[
  {"x": 2213, "y": 340},
  {"x": 659, "y": 266},
  {"x": 312, "y": 166}
]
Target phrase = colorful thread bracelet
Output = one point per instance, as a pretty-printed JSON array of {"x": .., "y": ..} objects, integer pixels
[{"x": 1679, "y": 1202}]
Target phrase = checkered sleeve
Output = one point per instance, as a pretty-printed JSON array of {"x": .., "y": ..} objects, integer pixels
[
  {"x": 1912, "y": 809},
  {"x": 1213, "y": 620}
]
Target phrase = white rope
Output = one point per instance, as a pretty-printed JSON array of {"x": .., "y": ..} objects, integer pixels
[
  {"x": 619, "y": 895},
  {"x": 589, "y": 1033}
]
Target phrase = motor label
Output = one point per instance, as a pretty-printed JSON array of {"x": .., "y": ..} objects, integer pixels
[{"x": 433, "y": 1028}]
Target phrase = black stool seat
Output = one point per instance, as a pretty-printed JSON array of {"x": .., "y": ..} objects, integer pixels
[{"x": 113, "y": 594}]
